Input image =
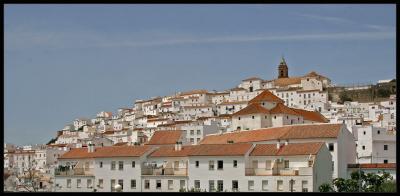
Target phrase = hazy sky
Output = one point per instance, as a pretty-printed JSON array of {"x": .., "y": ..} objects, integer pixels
[{"x": 69, "y": 61}]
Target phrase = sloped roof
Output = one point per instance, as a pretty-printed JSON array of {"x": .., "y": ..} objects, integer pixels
[
  {"x": 266, "y": 95},
  {"x": 165, "y": 137},
  {"x": 221, "y": 149},
  {"x": 275, "y": 133},
  {"x": 169, "y": 151},
  {"x": 106, "y": 151},
  {"x": 287, "y": 81},
  {"x": 252, "y": 78},
  {"x": 287, "y": 150},
  {"x": 310, "y": 115},
  {"x": 282, "y": 109},
  {"x": 254, "y": 108}
]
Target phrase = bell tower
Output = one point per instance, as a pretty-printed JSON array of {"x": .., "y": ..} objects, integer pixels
[{"x": 283, "y": 69}]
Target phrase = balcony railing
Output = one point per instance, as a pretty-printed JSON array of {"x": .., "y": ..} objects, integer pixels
[
  {"x": 295, "y": 171},
  {"x": 74, "y": 172},
  {"x": 164, "y": 171}
]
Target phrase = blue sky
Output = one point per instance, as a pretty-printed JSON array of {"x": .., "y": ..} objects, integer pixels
[{"x": 69, "y": 61}]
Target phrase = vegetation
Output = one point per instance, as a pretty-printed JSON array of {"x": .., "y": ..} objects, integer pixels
[
  {"x": 383, "y": 92},
  {"x": 344, "y": 97},
  {"x": 51, "y": 141},
  {"x": 361, "y": 182}
]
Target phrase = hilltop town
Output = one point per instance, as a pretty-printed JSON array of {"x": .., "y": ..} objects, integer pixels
[{"x": 289, "y": 133}]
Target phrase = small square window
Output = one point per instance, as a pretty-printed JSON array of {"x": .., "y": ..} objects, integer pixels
[
  {"x": 385, "y": 147},
  {"x": 197, "y": 164},
  {"x": 331, "y": 147},
  {"x": 385, "y": 161},
  {"x": 363, "y": 147},
  {"x": 234, "y": 163}
]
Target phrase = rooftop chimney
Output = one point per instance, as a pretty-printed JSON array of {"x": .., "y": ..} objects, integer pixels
[
  {"x": 90, "y": 147},
  {"x": 278, "y": 145},
  {"x": 178, "y": 146},
  {"x": 286, "y": 142}
]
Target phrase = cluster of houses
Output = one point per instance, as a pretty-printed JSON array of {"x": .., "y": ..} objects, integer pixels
[{"x": 263, "y": 135}]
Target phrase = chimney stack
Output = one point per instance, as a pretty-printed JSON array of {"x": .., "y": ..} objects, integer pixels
[
  {"x": 90, "y": 147},
  {"x": 178, "y": 146},
  {"x": 286, "y": 142},
  {"x": 278, "y": 145}
]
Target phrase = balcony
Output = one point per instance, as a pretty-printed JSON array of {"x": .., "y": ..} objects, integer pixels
[
  {"x": 164, "y": 171},
  {"x": 295, "y": 171},
  {"x": 74, "y": 172}
]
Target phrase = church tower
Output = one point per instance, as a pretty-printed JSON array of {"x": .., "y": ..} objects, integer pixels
[{"x": 283, "y": 69}]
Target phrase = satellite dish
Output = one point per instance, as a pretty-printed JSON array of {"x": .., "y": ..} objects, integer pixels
[{"x": 118, "y": 188}]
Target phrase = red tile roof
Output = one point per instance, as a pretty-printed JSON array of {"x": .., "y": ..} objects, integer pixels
[
  {"x": 275, "y": 133},
  {"x": 287, "y": 81},
  {"x": 373, "y": 165},
  {"x": 203, "y": 150},
  {"x": 287, "y": 150},
  {"x": 282, "y": 109},
  {"x": 221, "y": 150},
  {"x": 169, "y": 151},
  {"x": 106, "y": 151},
  {"x": 310, "y": 115},
  {"x": 165, "y": 137},
  {"x": 266, "y": 95},
  {"x": 254, "y": 108}
]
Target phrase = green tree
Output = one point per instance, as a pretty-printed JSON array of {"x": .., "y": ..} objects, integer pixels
[
  {"x": 344, "y": 96},
  {"x": 361, "y": 182}
]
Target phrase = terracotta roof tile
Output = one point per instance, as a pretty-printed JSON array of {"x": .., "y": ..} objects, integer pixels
[
  {"x": 254, "y": 108},
  {"x": 310, "y": 115},
  {"x": 237, "y": 89},
  {"x": 287, "y": 150},
  {"x": 165, "y": 137},
  {"x": 275, "y": 133},
  {"x": 106, "y": 151},
  {"x": 287, "y": 81},
  {"x": 282, "y": 109},
  {"x": 221, "y": 149},
  {"x": 266, "y": 95},
  {"x": 201, "y": 91},
  {"x": 203, "y": 150},
  {"x": 169, "y": 151}
]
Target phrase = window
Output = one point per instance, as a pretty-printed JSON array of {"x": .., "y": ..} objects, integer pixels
[
  {"x": 252, "y": 117},
  {"x": 239, "y": 118},
  {"x": 211, "y": 186},
  {"x": 170, "y": 184},
  {"x": 112, "y": 165},
  {"x": 78, "y": 183},
  {"x": 197, "y": 184},
  {"x": 379, "y": 132},
  {"x": 279, "y": 185},
  {"x": 364, "y": 132},
  {"x": 363, "y": 147},
  {"x": 133, "y": 184},
  {"x": 133, "y": 164},
  {"x": 331, "y": 147},
  {"x": 274, "y": 117},
  {"x": 146, "y": 184},
  {"x": 265, "y": 185},
  {"x": 120, "y": 165},
  {"x": 68, "y": 183},
  {"x": 121, "y": 182},
  {"x": 385, "y": 147},
  {"x": 220, "y": 185},
  {"x": 234, "y": 163},
  {"x": 100, "y": 183},
  {"x": 112, "y": 185},
  {"x": 291, "y": 185},
  {"x": 198, "y": 140},
  {"x": 158, "y": 184},
  {"x": 333, "y": 165},
  {"x": 251, "y": 185},
  {"x": 89, "y": 183},
  {"x": 220, "y": 165},
  {"x": 235, "y": 185},
  {"x": 182, "y": 184},
  {"x": 304, "y": 187},
  {"x": 191, "y": 132},
  {"x": 192, "y": 140},
  {"x": 101, "y": 164},
  {"x": 198, "y": 132},
  {"x": 211, "y": 165},
  {"x": 385, "y": 161},
  {"x": 286, "y": 163}
]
